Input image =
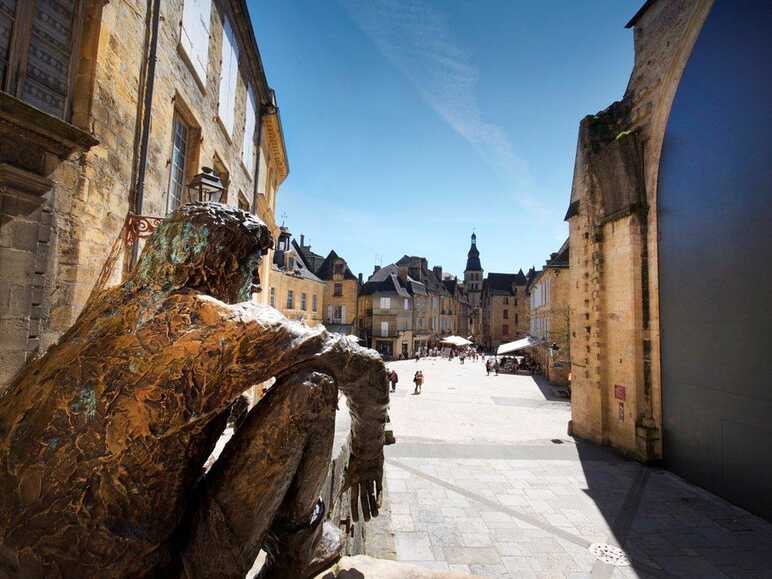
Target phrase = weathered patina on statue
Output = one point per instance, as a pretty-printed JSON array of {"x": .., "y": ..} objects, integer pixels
[{"x": 103, "y": 439}]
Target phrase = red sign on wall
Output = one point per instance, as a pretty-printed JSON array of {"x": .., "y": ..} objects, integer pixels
[{"x": 619, "y": 392}]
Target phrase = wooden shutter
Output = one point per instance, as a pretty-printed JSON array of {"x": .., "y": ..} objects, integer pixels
[
  {"x": 248, "y": 149},
  {"x": 228, "y": 74},
  {"x": 196, "y": 18},
  {"x": 45, "y": 76},
  {"x": 342, "y": 314},
  {"x": 7, "y": 21}
]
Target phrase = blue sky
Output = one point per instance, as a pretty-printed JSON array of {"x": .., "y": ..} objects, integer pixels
[{"x": 409, "y": 122}]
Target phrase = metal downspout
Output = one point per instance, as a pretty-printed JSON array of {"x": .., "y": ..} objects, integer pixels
[{"x": 139, "y": 191}]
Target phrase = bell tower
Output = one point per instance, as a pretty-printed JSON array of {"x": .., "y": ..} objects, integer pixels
[{"x": 473, "y": 274}]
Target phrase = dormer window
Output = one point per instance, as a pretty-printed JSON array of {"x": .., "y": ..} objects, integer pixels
[
  {"x": 290, "y": 262},
  {"x": 339, "y": 268}
]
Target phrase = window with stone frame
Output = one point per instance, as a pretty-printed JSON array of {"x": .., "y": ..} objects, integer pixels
[
  {"x": 506, "y": 314},
  {"x": 314, "y": 303},
  {"x": 338, "y": 316},
  {"x": 39, "y": 43},
  {"x": 179, "y": 163},
  {"x": 194, "y": 35},
  {"x": 505, "y": 329},
  {"x": 338, "y": 290},
  {"x": 340, "y": 268},
  {"x": 273, "y": 297},
  {"x": 303, "y": 304},
  {"x": 290, "y": 300}
]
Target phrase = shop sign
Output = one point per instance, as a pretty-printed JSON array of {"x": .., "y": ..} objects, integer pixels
[{"x": 619, "y": 392}]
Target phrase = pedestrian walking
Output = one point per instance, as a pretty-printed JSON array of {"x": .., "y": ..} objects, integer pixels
[
  {"x": 496, "y": 366},
  {"x": 419, "y": 381},
  {"x": 488, "y": 366},
  {"x": 393, "y": 378}
]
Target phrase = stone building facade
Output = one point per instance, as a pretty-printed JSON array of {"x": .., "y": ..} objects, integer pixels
[
  {"x": 341, "y": 290},
  {"x": 294, "y": 289},
  {"x": 612, "y": 217},
  {"x": 548, "y": 313},
  {"x": 78, "y": 151},
  {"x": 504, "y": 309},
  {"x": 386, "y": 313}
]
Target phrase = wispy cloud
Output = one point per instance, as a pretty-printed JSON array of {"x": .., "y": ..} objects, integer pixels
[{"x": 417, "y": 39}]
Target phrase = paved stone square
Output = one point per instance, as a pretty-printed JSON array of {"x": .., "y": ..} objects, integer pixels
[{"x": 484, "y": 480}]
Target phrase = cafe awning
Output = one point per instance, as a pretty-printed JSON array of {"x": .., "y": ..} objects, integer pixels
[
  {"x": 510, "y": 347},
  {"x": 456, "y": 341}
]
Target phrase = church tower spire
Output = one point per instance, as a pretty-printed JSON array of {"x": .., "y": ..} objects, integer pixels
[{"x": 473, "y": 274}]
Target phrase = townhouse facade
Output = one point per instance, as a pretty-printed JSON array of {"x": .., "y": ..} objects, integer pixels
[
  {"x": 82, "y": 164},
  {"x": 504, "y": 307},
  {"x": 341, "y": 290},
  {"x": 386, "y": 313},
  {"x": 549, "y": 317},
  {"x": 294, "y": 289}
]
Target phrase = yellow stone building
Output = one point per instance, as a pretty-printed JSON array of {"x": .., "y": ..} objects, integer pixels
[
  {"x": 612, "y": 217},
  {"x": 294, "y": 289},
  {"x": 504, "y": 307},
  {"x": 79, "y": 151},
  {"x": 341, "y": 290},
  {"x": 549, "y": 317}
]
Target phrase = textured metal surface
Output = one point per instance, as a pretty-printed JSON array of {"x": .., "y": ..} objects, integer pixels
[
  {"x": 610, "y": 554},
  {"x": 715, "y": 202}
]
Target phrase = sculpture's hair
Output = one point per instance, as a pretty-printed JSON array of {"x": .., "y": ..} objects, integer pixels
[{"x": 208, "y": 247}]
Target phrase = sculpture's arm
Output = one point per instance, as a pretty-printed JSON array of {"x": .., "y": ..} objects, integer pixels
[{"x": 245, "y": 344}]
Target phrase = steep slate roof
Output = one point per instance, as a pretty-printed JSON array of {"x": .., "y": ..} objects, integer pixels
[
  {"x": 501, "y": 283},
  {"x": 385, "y": 280},
  {"x": 560, "y": 258},
  {"x": 313, "y": 260},
  {"x": 473, "y": 256},
  {"x": 326, "y": 269},
  {"x": 301, "y": 269}
]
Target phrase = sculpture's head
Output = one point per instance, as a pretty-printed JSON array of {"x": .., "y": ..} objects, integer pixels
[{"x": 209, "y": 247}]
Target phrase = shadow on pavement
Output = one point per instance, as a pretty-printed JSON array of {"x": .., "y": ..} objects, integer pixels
[{"x": 671, "y": 528}]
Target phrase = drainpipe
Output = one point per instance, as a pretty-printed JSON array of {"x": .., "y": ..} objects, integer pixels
[{"x": 139, "y": 191}]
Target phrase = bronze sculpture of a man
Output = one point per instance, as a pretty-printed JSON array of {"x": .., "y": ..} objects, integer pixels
[{"x": 102, "y": 440}]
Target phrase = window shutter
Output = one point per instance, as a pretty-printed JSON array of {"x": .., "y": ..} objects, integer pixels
[
  {"x": 329, "y": 313},
  {"x": 47, "y": 74},
  {"x": 343, "y": 314},
  {"x": 229, "y": 71},
  {"x": 196, "y": 17},
  {"x": 7, "y": 21},
  {"x": 248, "y": 150}
]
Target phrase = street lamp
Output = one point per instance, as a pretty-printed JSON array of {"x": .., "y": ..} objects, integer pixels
[{"x": 206, "y": 186}]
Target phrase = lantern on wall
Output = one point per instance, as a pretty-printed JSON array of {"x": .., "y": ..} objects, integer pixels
[{"x": 206, "y": 186}]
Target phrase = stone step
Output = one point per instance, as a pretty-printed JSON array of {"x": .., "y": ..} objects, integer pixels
[{"x": 364, "y": 567}]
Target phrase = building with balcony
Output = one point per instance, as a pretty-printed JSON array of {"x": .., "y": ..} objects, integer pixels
[
  {"x": 341, "y": 290},
  {"x": 386, "y": 313},
  {"x": 80, "y": 82}
]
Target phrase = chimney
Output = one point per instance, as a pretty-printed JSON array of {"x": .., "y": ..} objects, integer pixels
[
  {"x": 403, "y": 272},
  {"x": 376, "y": 268},
  {"x": 361, "y": 282},
  {"x": 302, "y": 240},
  {"x": 437, "y": 269}
]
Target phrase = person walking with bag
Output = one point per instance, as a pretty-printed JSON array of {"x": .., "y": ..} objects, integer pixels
[{"x": 419, "y": 381}]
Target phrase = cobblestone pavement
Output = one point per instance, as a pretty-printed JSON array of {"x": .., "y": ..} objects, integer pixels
[{"x": 484, "y": 480}]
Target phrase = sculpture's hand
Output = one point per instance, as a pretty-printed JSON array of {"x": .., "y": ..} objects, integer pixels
[{"x": 364, "y": 477}]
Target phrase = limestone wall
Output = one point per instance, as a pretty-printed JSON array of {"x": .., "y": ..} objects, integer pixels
[
  {"x": 52, "y": 247},
  {"x": 616, "y": 387}
]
